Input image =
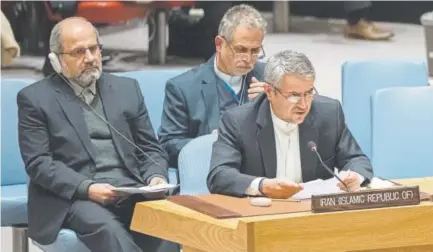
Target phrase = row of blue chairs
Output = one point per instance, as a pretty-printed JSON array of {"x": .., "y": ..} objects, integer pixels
[{"x": 360, "y": 82}]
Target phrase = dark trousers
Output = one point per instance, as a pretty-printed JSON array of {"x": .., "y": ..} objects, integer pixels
[
  {"x": 106, "y": 228},
  {"x": 357, "y": 10}
]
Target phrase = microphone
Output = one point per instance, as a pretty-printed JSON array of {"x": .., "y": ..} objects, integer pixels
[
  {"x": 112, "y": 127},
  {"x": 313, "y": 148}
]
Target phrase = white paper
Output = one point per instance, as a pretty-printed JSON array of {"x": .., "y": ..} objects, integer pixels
[
  {"x": 145, "y": 189},
  {"x": 318, "y": 187},
  {"x": 377, "y": 183},
  {"x": 329, "y": 186}
]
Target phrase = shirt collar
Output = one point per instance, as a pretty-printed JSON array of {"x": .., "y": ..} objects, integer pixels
[
  {"x": 79, "y": 89},
  {"x": 230, "y": 80},
  {"x": 281, "y": 125}
]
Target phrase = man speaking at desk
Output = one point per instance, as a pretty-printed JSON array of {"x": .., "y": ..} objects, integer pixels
[{"x": 262, "y": 147}]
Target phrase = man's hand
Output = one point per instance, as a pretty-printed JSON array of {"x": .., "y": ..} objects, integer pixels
[
  {"x": 351, "y": 179},
  {"x": 102, "y": 193},
  {"x": 256, "y": 88},
  {"x": 280, "y": 189},
  {"x": 157, "y": 181}
]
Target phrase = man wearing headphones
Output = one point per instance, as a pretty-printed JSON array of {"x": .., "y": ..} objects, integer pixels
[{"x": 82, "y": 133}]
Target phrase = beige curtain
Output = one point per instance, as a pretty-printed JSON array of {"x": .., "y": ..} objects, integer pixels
[{"x": 10, "y": 48}]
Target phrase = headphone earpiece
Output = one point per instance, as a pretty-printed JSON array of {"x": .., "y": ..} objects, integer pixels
[{"x": 55, "y": 62}]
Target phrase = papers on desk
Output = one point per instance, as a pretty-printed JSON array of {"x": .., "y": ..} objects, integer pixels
[
  {"x": 329, "y": 186},
  {"x": 377, "y": 183},
  {"x": 316, "y": 187},
  {"x": 146, "y": 189}
]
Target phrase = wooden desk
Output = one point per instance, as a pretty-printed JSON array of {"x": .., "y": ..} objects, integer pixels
[{"x": 397, "y": 229}]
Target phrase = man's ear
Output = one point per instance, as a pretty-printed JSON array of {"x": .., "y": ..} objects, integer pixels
[
  {"x": 269, "y": 91},
  {"x": 218, "y": 43}
]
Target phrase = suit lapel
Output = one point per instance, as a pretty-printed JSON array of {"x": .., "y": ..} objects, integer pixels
[
  {"x": 308, "y": 132},
  {"x": 210, "y": 95},
  {"x": 72, "y": 107},
  {"x": 112, "y": 113},
  {"x": 266, "y": 139}
]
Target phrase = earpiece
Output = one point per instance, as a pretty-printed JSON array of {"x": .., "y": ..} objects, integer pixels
[{"x": 55, "y": 62}]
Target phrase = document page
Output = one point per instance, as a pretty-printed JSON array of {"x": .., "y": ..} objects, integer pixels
[
  {"x": 146, "y": 189},
  {"x": 316, "y": 187}
]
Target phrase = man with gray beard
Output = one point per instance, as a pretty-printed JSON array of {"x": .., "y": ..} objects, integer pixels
[{"x": 82, "y": 133}]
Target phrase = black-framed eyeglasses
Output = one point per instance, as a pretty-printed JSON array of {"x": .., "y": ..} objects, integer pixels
[
  {"x": 294, "y": 97},
  {"x": 81, "y": 52},
  {"x": 242, "y": 52}
]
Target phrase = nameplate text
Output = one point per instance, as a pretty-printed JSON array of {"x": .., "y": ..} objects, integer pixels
[{"x": 365, "y": 199}]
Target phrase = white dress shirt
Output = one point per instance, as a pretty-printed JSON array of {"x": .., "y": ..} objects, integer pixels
[
  {"x": 287, "y": 147},
  {"x": 288, "y": 154}
]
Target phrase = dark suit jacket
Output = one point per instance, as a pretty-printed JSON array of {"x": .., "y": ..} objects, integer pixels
[
  {"x": 191, "y": 106},
  {"x": 245, "y": 148},
  {"x": 57, "y": 150}
]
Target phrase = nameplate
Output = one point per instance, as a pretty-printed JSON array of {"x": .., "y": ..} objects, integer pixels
[{"x": 365, "y": 199}]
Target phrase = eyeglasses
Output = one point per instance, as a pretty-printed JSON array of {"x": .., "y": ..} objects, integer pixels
[
  {"x": 294, "y": 97},
  {"x": 241, "y": 52},
  {"x": 81, "y": 52}
]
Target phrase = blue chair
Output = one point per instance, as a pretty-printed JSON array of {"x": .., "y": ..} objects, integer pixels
[
  {"x": 403, "y": 132},
  {"x": 194, "y": 164},
  {"x": 13, "y": 175},
  {"x": 152, "y": 85},
  {"x": 360, "y": 79}
]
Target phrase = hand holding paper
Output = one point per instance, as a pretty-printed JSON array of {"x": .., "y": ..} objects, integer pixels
[
  {"x": 157, "y": 181},
  {"x": 102, "y": 193},
  {"x": 351, "y": 179}
]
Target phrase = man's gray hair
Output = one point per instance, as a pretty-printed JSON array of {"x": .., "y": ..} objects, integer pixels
[
  {"x": 240, "y": 15},
  {"x": 56, "y": 45},
  {"x": 287, "y": 62}
]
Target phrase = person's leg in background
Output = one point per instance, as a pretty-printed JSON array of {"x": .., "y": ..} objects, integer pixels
[
  {"x": 359, "y": 25},
  {"x": 196, "y": 39}
]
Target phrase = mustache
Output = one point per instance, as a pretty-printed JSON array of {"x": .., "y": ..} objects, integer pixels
[{"x": 91, "y": 68}]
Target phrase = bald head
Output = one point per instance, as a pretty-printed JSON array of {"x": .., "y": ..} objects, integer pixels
[{"x": 67, "y": 29}]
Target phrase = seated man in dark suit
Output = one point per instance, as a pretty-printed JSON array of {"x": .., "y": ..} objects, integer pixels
[
  {"x": 81, "y": 134},
  {"x": 262, "y": 147},
  {"x": 195, "y": 100}
]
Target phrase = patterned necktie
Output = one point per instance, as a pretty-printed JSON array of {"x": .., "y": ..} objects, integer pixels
[{"x": 87, "y": 95}]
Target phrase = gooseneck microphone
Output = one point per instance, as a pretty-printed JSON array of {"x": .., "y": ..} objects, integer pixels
[{"x": 313, "y": 148}]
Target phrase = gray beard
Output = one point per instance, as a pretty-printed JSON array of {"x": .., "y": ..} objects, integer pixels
[{"x": 87, "y": 78}]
